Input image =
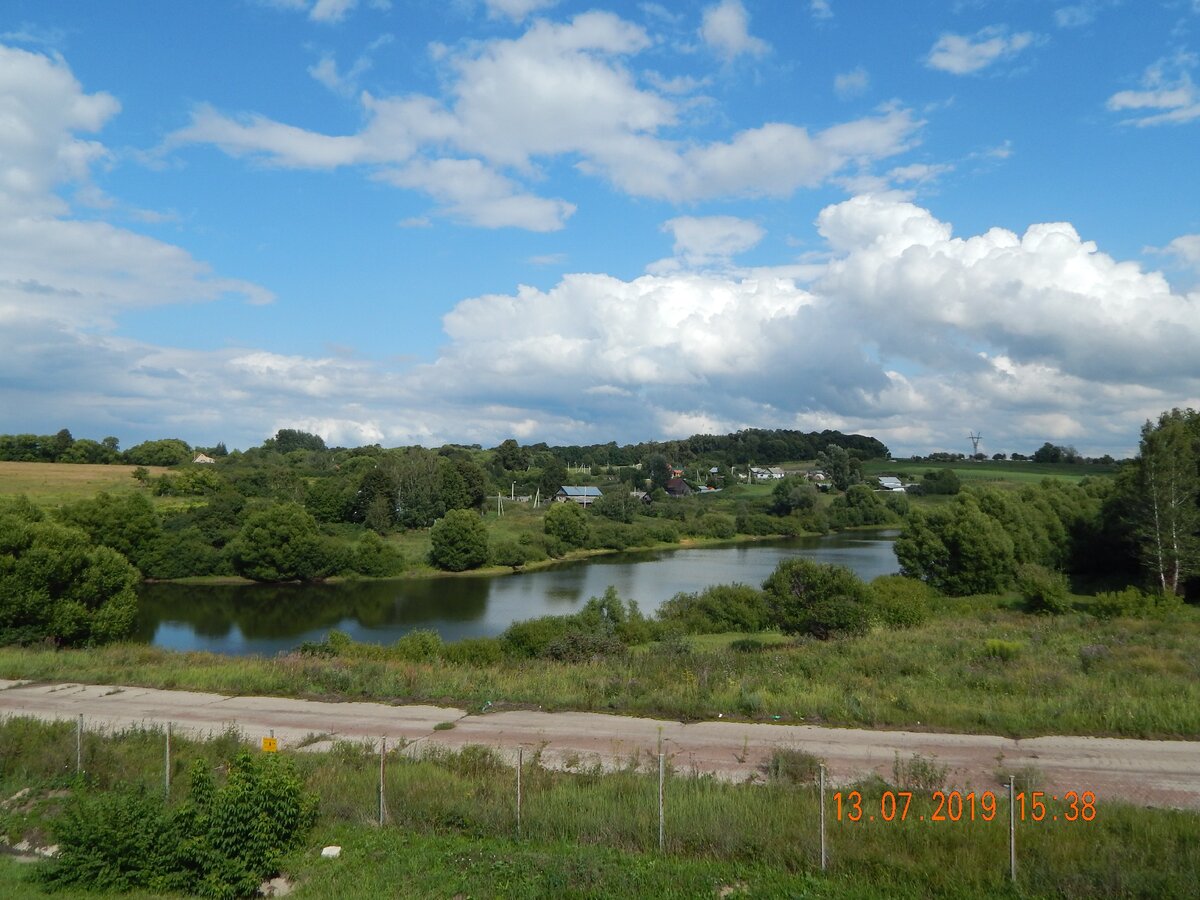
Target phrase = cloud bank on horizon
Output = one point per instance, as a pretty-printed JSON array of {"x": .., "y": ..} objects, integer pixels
[{"x": 547, "y": 221}]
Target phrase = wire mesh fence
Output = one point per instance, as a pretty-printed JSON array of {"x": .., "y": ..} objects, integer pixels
[{"x": 795, "y": 815}]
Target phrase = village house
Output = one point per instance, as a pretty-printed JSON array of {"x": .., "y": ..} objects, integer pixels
[
  {"x": 767, "y": 473},
  {"x": 583, "y": 495},
  {"x": 677, "y": 487}
]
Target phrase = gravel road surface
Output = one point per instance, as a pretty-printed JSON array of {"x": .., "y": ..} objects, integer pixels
[{"x": 1147, "y": 773}]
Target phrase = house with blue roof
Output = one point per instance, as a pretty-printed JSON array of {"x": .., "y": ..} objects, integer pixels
[{"x": 583, "y": 495}]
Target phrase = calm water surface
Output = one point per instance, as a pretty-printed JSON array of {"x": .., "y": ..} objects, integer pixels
[{"x": 265, "y": 619}]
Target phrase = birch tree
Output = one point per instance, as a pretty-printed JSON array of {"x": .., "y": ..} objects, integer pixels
[{"x": 1168, "y": 515}]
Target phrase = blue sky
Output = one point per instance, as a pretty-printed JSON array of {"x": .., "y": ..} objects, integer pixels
[{"x": 417, "y": 222}]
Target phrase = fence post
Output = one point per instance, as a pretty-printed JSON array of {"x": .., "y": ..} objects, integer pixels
[
  {"x": 824, "y": 855},
  {"x": 167, "y": 767},
  {"x": 662, "y": 774},
  {"x": 382, "y": 756},
  {"x": 1012, "y": 833},
  {"x": 79, "y": 744},
  {"x": 520, "y": 765}
]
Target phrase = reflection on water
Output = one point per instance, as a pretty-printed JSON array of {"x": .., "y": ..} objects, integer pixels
[{"x": 243, "y": 619}]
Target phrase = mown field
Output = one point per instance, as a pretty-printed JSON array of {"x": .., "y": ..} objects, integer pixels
[
  {"x": 451, "y": 829},
  {"x": 995, "y": 473},
  {"x": 49, "y": 484}
]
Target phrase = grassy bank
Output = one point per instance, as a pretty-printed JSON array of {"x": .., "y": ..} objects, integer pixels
[
  {"x": 978, "y": 665},
  {"x": 451, "y": 830}
]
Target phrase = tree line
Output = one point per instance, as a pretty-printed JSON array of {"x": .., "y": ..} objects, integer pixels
[{"x": 1147, "y": 519}]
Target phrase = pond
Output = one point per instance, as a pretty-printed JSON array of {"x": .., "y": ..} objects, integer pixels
[{"x": 266, "y": 619}]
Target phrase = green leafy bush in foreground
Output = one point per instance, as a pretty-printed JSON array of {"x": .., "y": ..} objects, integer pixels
[{"x": 223, "y": 842}]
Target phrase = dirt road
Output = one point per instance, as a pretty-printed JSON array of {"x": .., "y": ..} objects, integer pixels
[{"x": 1147, "y": 773}]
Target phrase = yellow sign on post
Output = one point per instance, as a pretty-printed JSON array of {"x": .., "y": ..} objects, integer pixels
[{"x": 270, "y": 745}]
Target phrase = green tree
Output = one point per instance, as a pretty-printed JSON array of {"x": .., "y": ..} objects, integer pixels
[
  {"x": 510, "y": 456},
  {"x": 128, "y": 523},
  {"x": 618, "y": 505},
  {"x": 459, "y": 541},
  {"x": 567, "y": 522},
  {"x": 221, "y": 843},
  {"x": 375, "y": 503},
  {"x": 943, "y": 481},
  {"x": 376, "y": 558},
  {"x": 1167, "y": 517},
  {"x": 452, "y": 487},
  {"x": 88, "y": 451},
  {"x": 792, "y": 494},
  {"x": 554, "y": 476},
  {"x": 842, "y": 469},
  {"x": 658, "y": 470},
  {"x": 287, "y": 440},
  {"x": 474, "y": 481},
  {"x": 416, "y": 473},
  {"x": 956, "y": 548},
  {"x": 167, "y": 452},
  {"x": 823, "y": 600},
  {"x": 56, "y": 585},
  {"x": 280, "y": 543}
]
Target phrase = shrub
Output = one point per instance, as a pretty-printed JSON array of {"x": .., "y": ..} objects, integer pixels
[
  {"x": 55, "y": 585},
  {"x": 578, "y": 645},
  {"x": 943, "y": 481},
  {"x": 419, "y": 645},
  {"x": 715, "y": 525},
  {"x": 280, "y": 543},
  {"x": 507, "y": 552},
  {"x": 237, "y": 833},
  {"x": 620, "y": 506},
  {"x": 956, "y": 548},
  {"x": 376, "y": 558},
  {"x": 610, "y": 536},
  {"x": 474, "y": 652},
  {"x": 567, "y": 522},
  {"x": 1005, "y": 651},
  {"x": 663, "y": 532},
  {"x": 757, "y": 524},
  {"x": 115, "y": 841},
  {"x": 791, "y": 766},
  {"x": 806, "y": 597},
  {"x": 529, "y": 639},
  {"x": 1043, "y": 590},
  {"x": 919, "y": 773},
  {"x": 720, "y": 608},
  {"x": 609, "y": 615},
  {"x": 901, "y": 602},
  {"x": 223, "y": 842},
  {"x": 1133, "y": 603},
  {"x": 459, "y": 541}
]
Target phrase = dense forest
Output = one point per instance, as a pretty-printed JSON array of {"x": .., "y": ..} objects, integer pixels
[{"x": 754, "y": 445}]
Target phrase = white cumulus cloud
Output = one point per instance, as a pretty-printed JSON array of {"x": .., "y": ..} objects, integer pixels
[
  {"x": 852, "y": 83},
  {"x": 1168, "y": 95},
  {"x": 558, "y": 91},
  {"x": 726, "y": 29},
  {"x": 961, "y": 54}
]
